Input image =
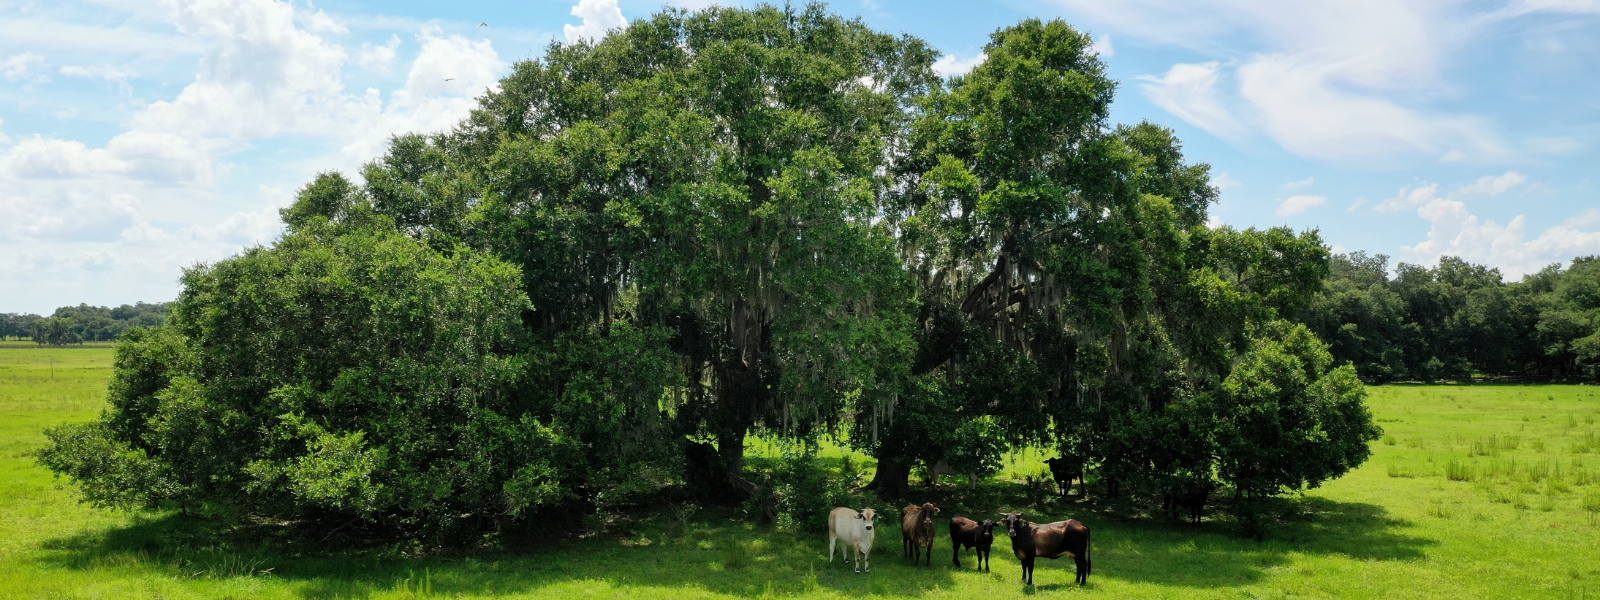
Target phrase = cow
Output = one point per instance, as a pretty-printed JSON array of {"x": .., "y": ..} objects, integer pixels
[
  {"x": 855, "y": 529},
  {"x": 1055, "y": 540},
  {"x": 1064, "y": 471},
  {"x": 916, "y": 530},
  {"x": 941, "y": 467},
  {"x": 1192, "y": 498},
  {"x": 967, "y": 533}
]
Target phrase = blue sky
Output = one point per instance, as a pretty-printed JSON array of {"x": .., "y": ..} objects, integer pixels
[{"x": 138, "y": 137}]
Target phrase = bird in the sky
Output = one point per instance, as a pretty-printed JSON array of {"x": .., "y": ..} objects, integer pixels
[
  {"x": 451, "y": 79},
  {"x": 483, "y": 25}
]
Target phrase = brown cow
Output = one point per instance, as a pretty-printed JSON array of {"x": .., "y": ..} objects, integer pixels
[
  {"x": 916, "y": 530},
  {"x": 1055, "y": 540},
  {"x": 967, "y": 533}
]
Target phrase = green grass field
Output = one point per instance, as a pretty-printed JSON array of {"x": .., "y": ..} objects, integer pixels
[{"x": 1475, "y": 492}]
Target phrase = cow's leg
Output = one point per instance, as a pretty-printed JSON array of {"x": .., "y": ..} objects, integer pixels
[
  {"x": 831, "y": 541},
  {"x": 955, "y": 554},
  {"x": 930, "y": 553},
  {"x": 867, "y": 559},
  {"x": 857, "y": 560},
  {"x": 972, "y": 481},
  {"x": 1082, "y": 571}
]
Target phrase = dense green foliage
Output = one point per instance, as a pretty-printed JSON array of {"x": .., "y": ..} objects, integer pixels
[
  {"x": 1459, "y": 320},
  {"x": 639, "y": 251}
]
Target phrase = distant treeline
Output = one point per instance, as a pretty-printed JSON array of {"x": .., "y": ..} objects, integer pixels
[
  {"x": 82, "y": 323},
  {"x": 1459, "y": 320}
]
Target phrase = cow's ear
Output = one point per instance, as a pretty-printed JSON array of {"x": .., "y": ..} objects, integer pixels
[{"x": 858, "y": 516}]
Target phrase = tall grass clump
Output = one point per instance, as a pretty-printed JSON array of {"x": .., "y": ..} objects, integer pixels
[
  {"x": 413, "y": 587},
  {"x": 1458, "y": 470}
]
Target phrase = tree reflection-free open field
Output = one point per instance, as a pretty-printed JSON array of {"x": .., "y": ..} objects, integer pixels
[{"x": 1475, "y": 491}]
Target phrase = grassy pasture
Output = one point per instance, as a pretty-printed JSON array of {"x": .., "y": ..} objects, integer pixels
[{"x": 1475, "y": 491}]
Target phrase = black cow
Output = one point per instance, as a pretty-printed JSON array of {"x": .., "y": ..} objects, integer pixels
[
  {"x": 1193, "y": 498},
  {"x": 967, "y": 533},
  {"x": 1064, "y": 471},
  {"x": 1055, "y": 540}
]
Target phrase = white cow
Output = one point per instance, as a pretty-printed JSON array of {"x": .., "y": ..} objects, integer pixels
[{"x": 855, "y": 529}]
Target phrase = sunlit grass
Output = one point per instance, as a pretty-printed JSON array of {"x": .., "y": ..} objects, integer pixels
[{"x": 1475, "y": 491}]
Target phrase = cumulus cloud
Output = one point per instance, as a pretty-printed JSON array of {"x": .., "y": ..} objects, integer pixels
[
  {"x": 1411, "y": 196},
  {"x": 378, "y": 58},
  {"x": 1423, "y": 194},
  {"x": 1189, "y": 92},
  {"x": 599, "y": 17},
  {"x": 950, "y": 65},
  {"x": 1491, "y": 185},
  {"x": 1455, "y": 231},
  {"x": 72, "y": 219},
  {"x": 1299, "y": 184},
  {"x": 20, "y": 66},
  {"x": 148, "y": 200},
  {"x": 1102, "y": 46},
  {"x": 1296, "y": 205}
]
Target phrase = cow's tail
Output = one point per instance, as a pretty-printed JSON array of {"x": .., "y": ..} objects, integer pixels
[{"x": 1088, "y": 565}]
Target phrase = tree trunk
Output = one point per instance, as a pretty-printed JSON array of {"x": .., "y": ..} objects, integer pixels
[{"x": 892, "y": 480}]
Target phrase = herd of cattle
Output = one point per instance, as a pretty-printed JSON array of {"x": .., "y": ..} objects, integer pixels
[{"x": 1028, "y": 540}]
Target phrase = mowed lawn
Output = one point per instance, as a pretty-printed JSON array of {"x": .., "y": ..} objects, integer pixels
[{"x": 1486, "y": 491}]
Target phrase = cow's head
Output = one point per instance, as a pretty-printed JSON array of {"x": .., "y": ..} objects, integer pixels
[
  {"x": 987, "y": 527},
  {"x": 1014, "y": 523},
  {"x": 869, "y": 516},
  {"x": 929, "y": 509}
]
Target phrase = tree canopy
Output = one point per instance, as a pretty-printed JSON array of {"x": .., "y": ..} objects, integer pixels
[{"x": 638, "y": 251}]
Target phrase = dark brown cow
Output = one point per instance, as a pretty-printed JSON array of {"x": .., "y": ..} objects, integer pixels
[
  {"x": 1194, "y": 499},
  {"x": 916, "y": 530},
  {"x": 1064, "y": 471},
  {"x": 967, "y": 533},
  {"x": 1055, "y": 540}
]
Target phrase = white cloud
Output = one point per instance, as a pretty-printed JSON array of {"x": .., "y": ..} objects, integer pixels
[
  {"x": 1490, "y": 185},
  {"x": 1564, "y": 6},
  {"x": 1332, "y": 80},
  {"x": 1299, "y": 184},
  {"x": 1189, "y": 92},
  {"x": 1457, "y": 232},
  {"x": 74, "y": 218},
  {"x": 1354, "y": 206},
  {"x": 20, "y": 66},
  {"x": 1409, "y": 197},
  {"x": 158, "y": 195},
  {"x": 599, "y": 16},
  {"x": 1423, "y": 194},
  {"x": 378, "y": 58},
  {"x": 1223, "y": 181},
  {"x": 106, "y": 72},
  {"x": 1296, "y": 205},
  {"x": 1215, "y": 222},
  {"x": 43, "y": 158},
  {"x": 1102, "y": 46},
  {"x": 1307, "y": 106},
  {"x": 950, "y": 65},
  {"x": 427, "y": 102}
]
